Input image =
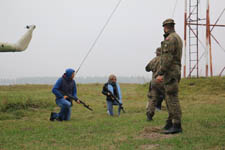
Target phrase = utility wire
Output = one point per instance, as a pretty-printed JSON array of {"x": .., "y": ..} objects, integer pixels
[
  {"x": 217, "y": 20},
  {"x": 99, "y": 35},
  {"x": 217, "y": 42},
  {"x": 175, "y": 6}
]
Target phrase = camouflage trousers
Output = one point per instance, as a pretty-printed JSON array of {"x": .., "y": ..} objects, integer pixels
[
  {"x": 172, "y": 101},
  {"x": 155, "y": 94}
]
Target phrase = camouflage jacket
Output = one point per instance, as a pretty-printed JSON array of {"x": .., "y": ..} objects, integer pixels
[
  {"x": 170, "y": 62},
  {"x": 154, "y": 66}
]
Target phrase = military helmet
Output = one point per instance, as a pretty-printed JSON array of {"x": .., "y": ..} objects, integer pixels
[{"x": 168, "y": 21}]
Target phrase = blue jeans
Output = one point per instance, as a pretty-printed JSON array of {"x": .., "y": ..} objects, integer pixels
[
  {"x": 110, "y": 107},
  {"x": 65, "y": 111}
]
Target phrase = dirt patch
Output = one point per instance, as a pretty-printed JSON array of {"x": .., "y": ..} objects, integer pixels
[
  {"x": 154, "y": 133},
  {"x": 149, "y": 147}
]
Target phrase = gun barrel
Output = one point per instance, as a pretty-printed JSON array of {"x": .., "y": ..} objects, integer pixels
[
  {"x": 85, "y": 105},
  {"x": 75, "y": 99}
]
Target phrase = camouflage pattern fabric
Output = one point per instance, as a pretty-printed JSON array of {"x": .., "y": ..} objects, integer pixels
[
  {"x": 153, "y": 66},
  {"x": 170, "y": 68},
  {"x": 156, "y": 90},
  {"x": 155, "y": 93}
]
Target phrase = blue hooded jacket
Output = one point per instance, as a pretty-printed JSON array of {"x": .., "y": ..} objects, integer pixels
[{"x": 65, "y": 84}]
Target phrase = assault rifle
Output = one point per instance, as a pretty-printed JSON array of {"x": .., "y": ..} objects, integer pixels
[
  {"x": 70, "y": 97},
  {"x": 116, "y": 99}
]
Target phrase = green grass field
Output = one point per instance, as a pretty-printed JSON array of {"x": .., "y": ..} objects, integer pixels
[{"x": 25, "y": 110}]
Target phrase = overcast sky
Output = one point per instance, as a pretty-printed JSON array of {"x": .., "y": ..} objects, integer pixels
[{"x": 66, "y": 29}]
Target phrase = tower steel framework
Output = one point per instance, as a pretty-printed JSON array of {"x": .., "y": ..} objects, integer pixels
[{"x": 192, "y": 24}]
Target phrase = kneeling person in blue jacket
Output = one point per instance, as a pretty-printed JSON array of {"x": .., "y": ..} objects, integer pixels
[
  {"x": 111, "y": 90},
  {"x": 67, "y": 85}
]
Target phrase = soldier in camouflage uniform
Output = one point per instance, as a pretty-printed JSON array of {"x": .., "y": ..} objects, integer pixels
[
  {"x": 156, "y": 89},
  {"x": 170, "y": 75}
]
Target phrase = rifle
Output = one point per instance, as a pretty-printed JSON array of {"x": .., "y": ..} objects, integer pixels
[
  {"x": 75, "y": 99},
  {"x": 116, "y": 99}
]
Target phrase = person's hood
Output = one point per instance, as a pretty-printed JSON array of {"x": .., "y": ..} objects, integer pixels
[{"x": 68, "y": 73}]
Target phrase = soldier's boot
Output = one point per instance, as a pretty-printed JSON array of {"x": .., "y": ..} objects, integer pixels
[
  {"x": 149, "y": 116},
  {"x": 168, "y": 125},
  {"x": 175, "y": 129}
]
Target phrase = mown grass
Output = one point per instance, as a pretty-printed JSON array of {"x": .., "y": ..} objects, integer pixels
[{"x": 25, "y": 110}]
